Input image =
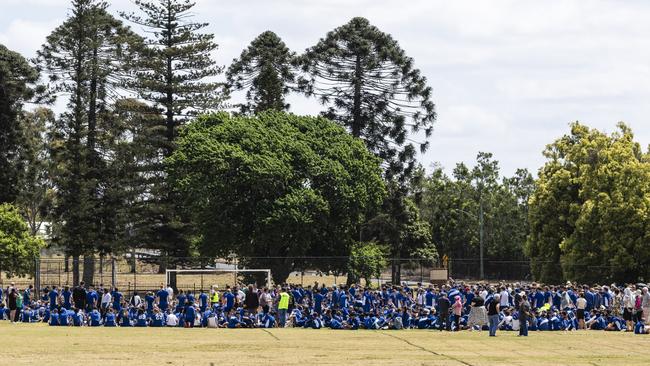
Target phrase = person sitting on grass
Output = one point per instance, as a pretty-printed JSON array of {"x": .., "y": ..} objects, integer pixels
[
  {"x": 64, "y": 318},
  {"x": 78, "y": 318},
  {"x": 54, "y": 317},
  {"x": 141, "y": 320},
  {"x": 233, "y": 320},
  {"x": 190, "y": 315},
  {"x": 110, "y": 318},
  {"x": 640, "y": 327},
  {"x": 95, "y": 318},
  {"x": 158, "y": 318}
]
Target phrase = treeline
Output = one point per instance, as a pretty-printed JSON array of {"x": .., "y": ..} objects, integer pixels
[{"x": 128, "y": 165}]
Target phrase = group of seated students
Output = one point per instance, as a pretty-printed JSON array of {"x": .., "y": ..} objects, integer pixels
[{"x": 451, "y": 307}]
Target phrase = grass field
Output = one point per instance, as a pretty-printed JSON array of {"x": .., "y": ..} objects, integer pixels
[{"x": 31, "y": 344}]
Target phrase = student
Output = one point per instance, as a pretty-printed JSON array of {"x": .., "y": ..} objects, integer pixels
[
  {"x": 125, "y": 319},
  {"x": 91, "y": 299},
  {"x": 117, "y": 300},
  {"x": 54, "y": 317},
  {"x": 524, "y": 314},
  {"x": 163, "y": 297},
  {"x": 581, "y": 307},
  {"x": 493, "y": 314},
  {"x": 158, "y": 319},
  {"x": 172, "y": 319},
  {"x": 53, "y": 297},
  {"x": 67, "y": 297},
  {"x": 64, "y": 319},
  {"x": 78, "y": 318},
  {"x": 110, "y": 319},
  {"x": 203, "y": 301},
  {"x": 149, "y": 299},
  {"x": 95, "y": 318},
  {"x": 229, "y": 298},
  {"x": 142, "y": 318},
  {"x": 106, "y": 301}
]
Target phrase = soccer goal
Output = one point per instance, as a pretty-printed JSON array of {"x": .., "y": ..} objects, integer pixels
[{"x": 204, "y": 279}]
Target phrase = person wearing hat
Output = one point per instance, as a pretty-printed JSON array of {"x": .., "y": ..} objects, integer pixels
[{"x": 524, "y": 314}]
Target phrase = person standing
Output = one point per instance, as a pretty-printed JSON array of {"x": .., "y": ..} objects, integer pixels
[
  {"x": 106, "y": 302},
  {"x": 493, "y": 315},
  {"x": 252, "y": 300},
  {"x": 581, "y": 305},
  {"x": 645, "y": 304},
  {"x": 12, "y": 302},
  {"x": 283, "y": 307},
  {"x": 524, "y": 314},
  {"x": 443, "y": 309},
  {"x": 79, "y": 296}
]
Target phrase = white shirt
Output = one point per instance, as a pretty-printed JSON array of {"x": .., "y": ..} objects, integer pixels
[
  {"x": 504, "y": 298},
  {"x": 212, "y": 322},
  {"x": 483, "y": 294},
  {"x": 170, "y": 291},
  {"x": 581, "y": 303},
  {"x": 172, "y": 320},
  {"x": 106, "y": 298}
]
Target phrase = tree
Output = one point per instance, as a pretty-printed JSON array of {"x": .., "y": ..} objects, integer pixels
[
  {"x": 36, "y": 195},
  {"x": 265, "y": 70},
  {"x": 373, "y": 89},
  {"x": 18, "y": 249},
  {"x": 172, "y": 73},
  {"x": 17, "y": 86},
  {"x": 455, "y": 206},
  {"x": 367, "y": 260},
  {"x": 275, "y": 188},
  {"x": 589, "y": 215},
  {"x": 84, "y": 58}
]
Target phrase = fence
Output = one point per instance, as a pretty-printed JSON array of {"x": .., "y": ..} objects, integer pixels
[{"x": 144, "y": 274}]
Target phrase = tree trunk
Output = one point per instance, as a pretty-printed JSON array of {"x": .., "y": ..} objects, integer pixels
[
  {"x": 75, "y": 270},
  {"x": 89, "y": 268}
]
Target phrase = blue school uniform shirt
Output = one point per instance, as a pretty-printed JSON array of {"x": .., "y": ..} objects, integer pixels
[
  {"x": 539, "y": 299},
  {"x": 77, "y": 319},
  {"x": 639, "y": 328},
  {"x": 53, "y": 295},
  {"x": 268, "y": 321},
  {"x": 203, "y": 301},
  {"x": 54, "y": 319},
  {"x": 149, "y": 299},
  {"x": 318, "y": 301},
  {"x": 163, "y": 295},
  {"x": 95, "y": 318},
  {"x": 158, "y": 320},
  {"x": 190, "y": 314},
  {"x": 125, "y": 320},
  {"x": 343, "y": 300},
  {"x": 117, "y": 300},
  {"x": 429, "y": 298},
  {"x": 181, "y": 302},
  {"x": 233, "y": 321},
  {"x": 63, "y": 317},
  {"x": 67, "y": 295},
  {"x": 230, "y": 300},
  {"x": 27, "y": 316},
  {"x": 142, "y": 320},
  {"x": 91, "y": 298},
  {"x": 110, "y": 320}
]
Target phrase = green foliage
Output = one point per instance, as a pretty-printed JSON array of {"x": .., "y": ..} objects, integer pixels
[
  {"x": 265, "y": 70},
  {"x": 372, "y": 88},
  {"x": 367, "y": 260},
  {"x": 17, "y": 86},
  {"x": 18, "y": 248},
  {"x": 590, "y": 210},
  {"x": 275, "y": 185},
  {"x": 452, "y": 206}
]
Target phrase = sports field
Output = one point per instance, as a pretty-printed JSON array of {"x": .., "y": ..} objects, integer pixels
[{"x": 32, "y": 344}]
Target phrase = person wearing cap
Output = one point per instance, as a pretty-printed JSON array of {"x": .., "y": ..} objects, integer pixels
[{"x": 524, "y": 314}]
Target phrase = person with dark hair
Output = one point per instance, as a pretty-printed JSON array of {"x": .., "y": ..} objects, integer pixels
[
  {"x": 443, "y": 309},
  {"x": 252, "y": 301},
  {"x": 79, "y": 296},
  {"x": 524, "y": 314},
  {"x": 12, "y": 303}
]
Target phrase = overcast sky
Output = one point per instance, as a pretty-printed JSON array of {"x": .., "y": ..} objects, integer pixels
[{"x": 508, "y": 76}]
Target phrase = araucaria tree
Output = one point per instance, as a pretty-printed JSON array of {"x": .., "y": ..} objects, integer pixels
[
  {"x": 173, "y": 74},
  {"x": 590, "y": 212},
  {"x": 275, "y": 188},
  {"x": 371, "y": 87},
  {"x": 265, "y": 70},
  {"x": 84, "y": 59}
]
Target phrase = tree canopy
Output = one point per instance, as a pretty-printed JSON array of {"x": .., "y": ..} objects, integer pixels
[
  {"x": 275, "y": 185},
  {"x": 589, "y": 214},
  {"x": 18, "y": 248}
]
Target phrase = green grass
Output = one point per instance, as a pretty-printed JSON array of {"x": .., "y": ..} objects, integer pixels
[{"x": 31, "y": 344}]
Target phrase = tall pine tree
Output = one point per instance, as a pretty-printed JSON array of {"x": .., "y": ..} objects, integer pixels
[
  {"x": 266, "y": 72},
  {"x": 171, "y": 73},
  {"x": 84, "y": 58},
  {"x": 371, "y": 86}
]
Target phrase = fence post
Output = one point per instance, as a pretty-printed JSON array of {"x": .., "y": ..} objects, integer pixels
[
  {"x": 113, "y": 274},
  {"x": 37, "y": 275}
]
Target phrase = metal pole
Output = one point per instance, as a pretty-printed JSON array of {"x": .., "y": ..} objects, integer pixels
[
  {"x": 113, "y": 272},
  {"x": 480, "y": 223}
]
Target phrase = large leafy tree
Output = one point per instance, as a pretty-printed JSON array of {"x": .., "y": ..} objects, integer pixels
[
  {"x": 85, "y": 59},
  {"x": 371, "y": 87},
  {"x": 266, "y": 72},
  {"x": 590, "y": 213},
  {"x": 274, "y": 187},
  {"x": 17, "y": 86},
  {"x": 18, "y": 248}
]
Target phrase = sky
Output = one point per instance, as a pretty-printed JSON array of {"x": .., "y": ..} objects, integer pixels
[{"x": 507, "y": 76}]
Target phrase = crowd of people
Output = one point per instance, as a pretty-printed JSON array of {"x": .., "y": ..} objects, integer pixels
[{"x": 452, "y": 307}]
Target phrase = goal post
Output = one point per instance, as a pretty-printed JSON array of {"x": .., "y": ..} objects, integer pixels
[{"x": 206, "y": 278}]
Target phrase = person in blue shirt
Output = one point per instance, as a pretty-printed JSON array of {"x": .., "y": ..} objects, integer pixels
[
  {"x": 95, "y": 318},
  {"x": 142, "y": 318},
  {"x": 190, "y": 315},
  {"x": 78, "y": 318},
  {"x": 27, "y": 295},
  {"x": 230, "y": 299},
  {"x": 343, "y": 300},
  {"x": 640, "y": 328},
  {"x": 158, "y": 319},
  {"x": 117, "y": 300},
  {"x": 54, "y": 317},
  {"x": 233, "y": 320},
  {"x": 27, "y": 315},
  {"x": 268, "y": 321},
  {"x": 91, "y": 299},
  {"x": 163, "y": 297},
  {"x": 53, "y": 297},
  {"x": 203, "y": 301},
  {"x": 110, "y": 319},
  {"x": 125, "y": 319},
  {"x": 67, "y": 296},
  {"x": 64, "y": 319},
  {"x": 180, "y": 301},
  {"x": 149, "y": 300}
]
